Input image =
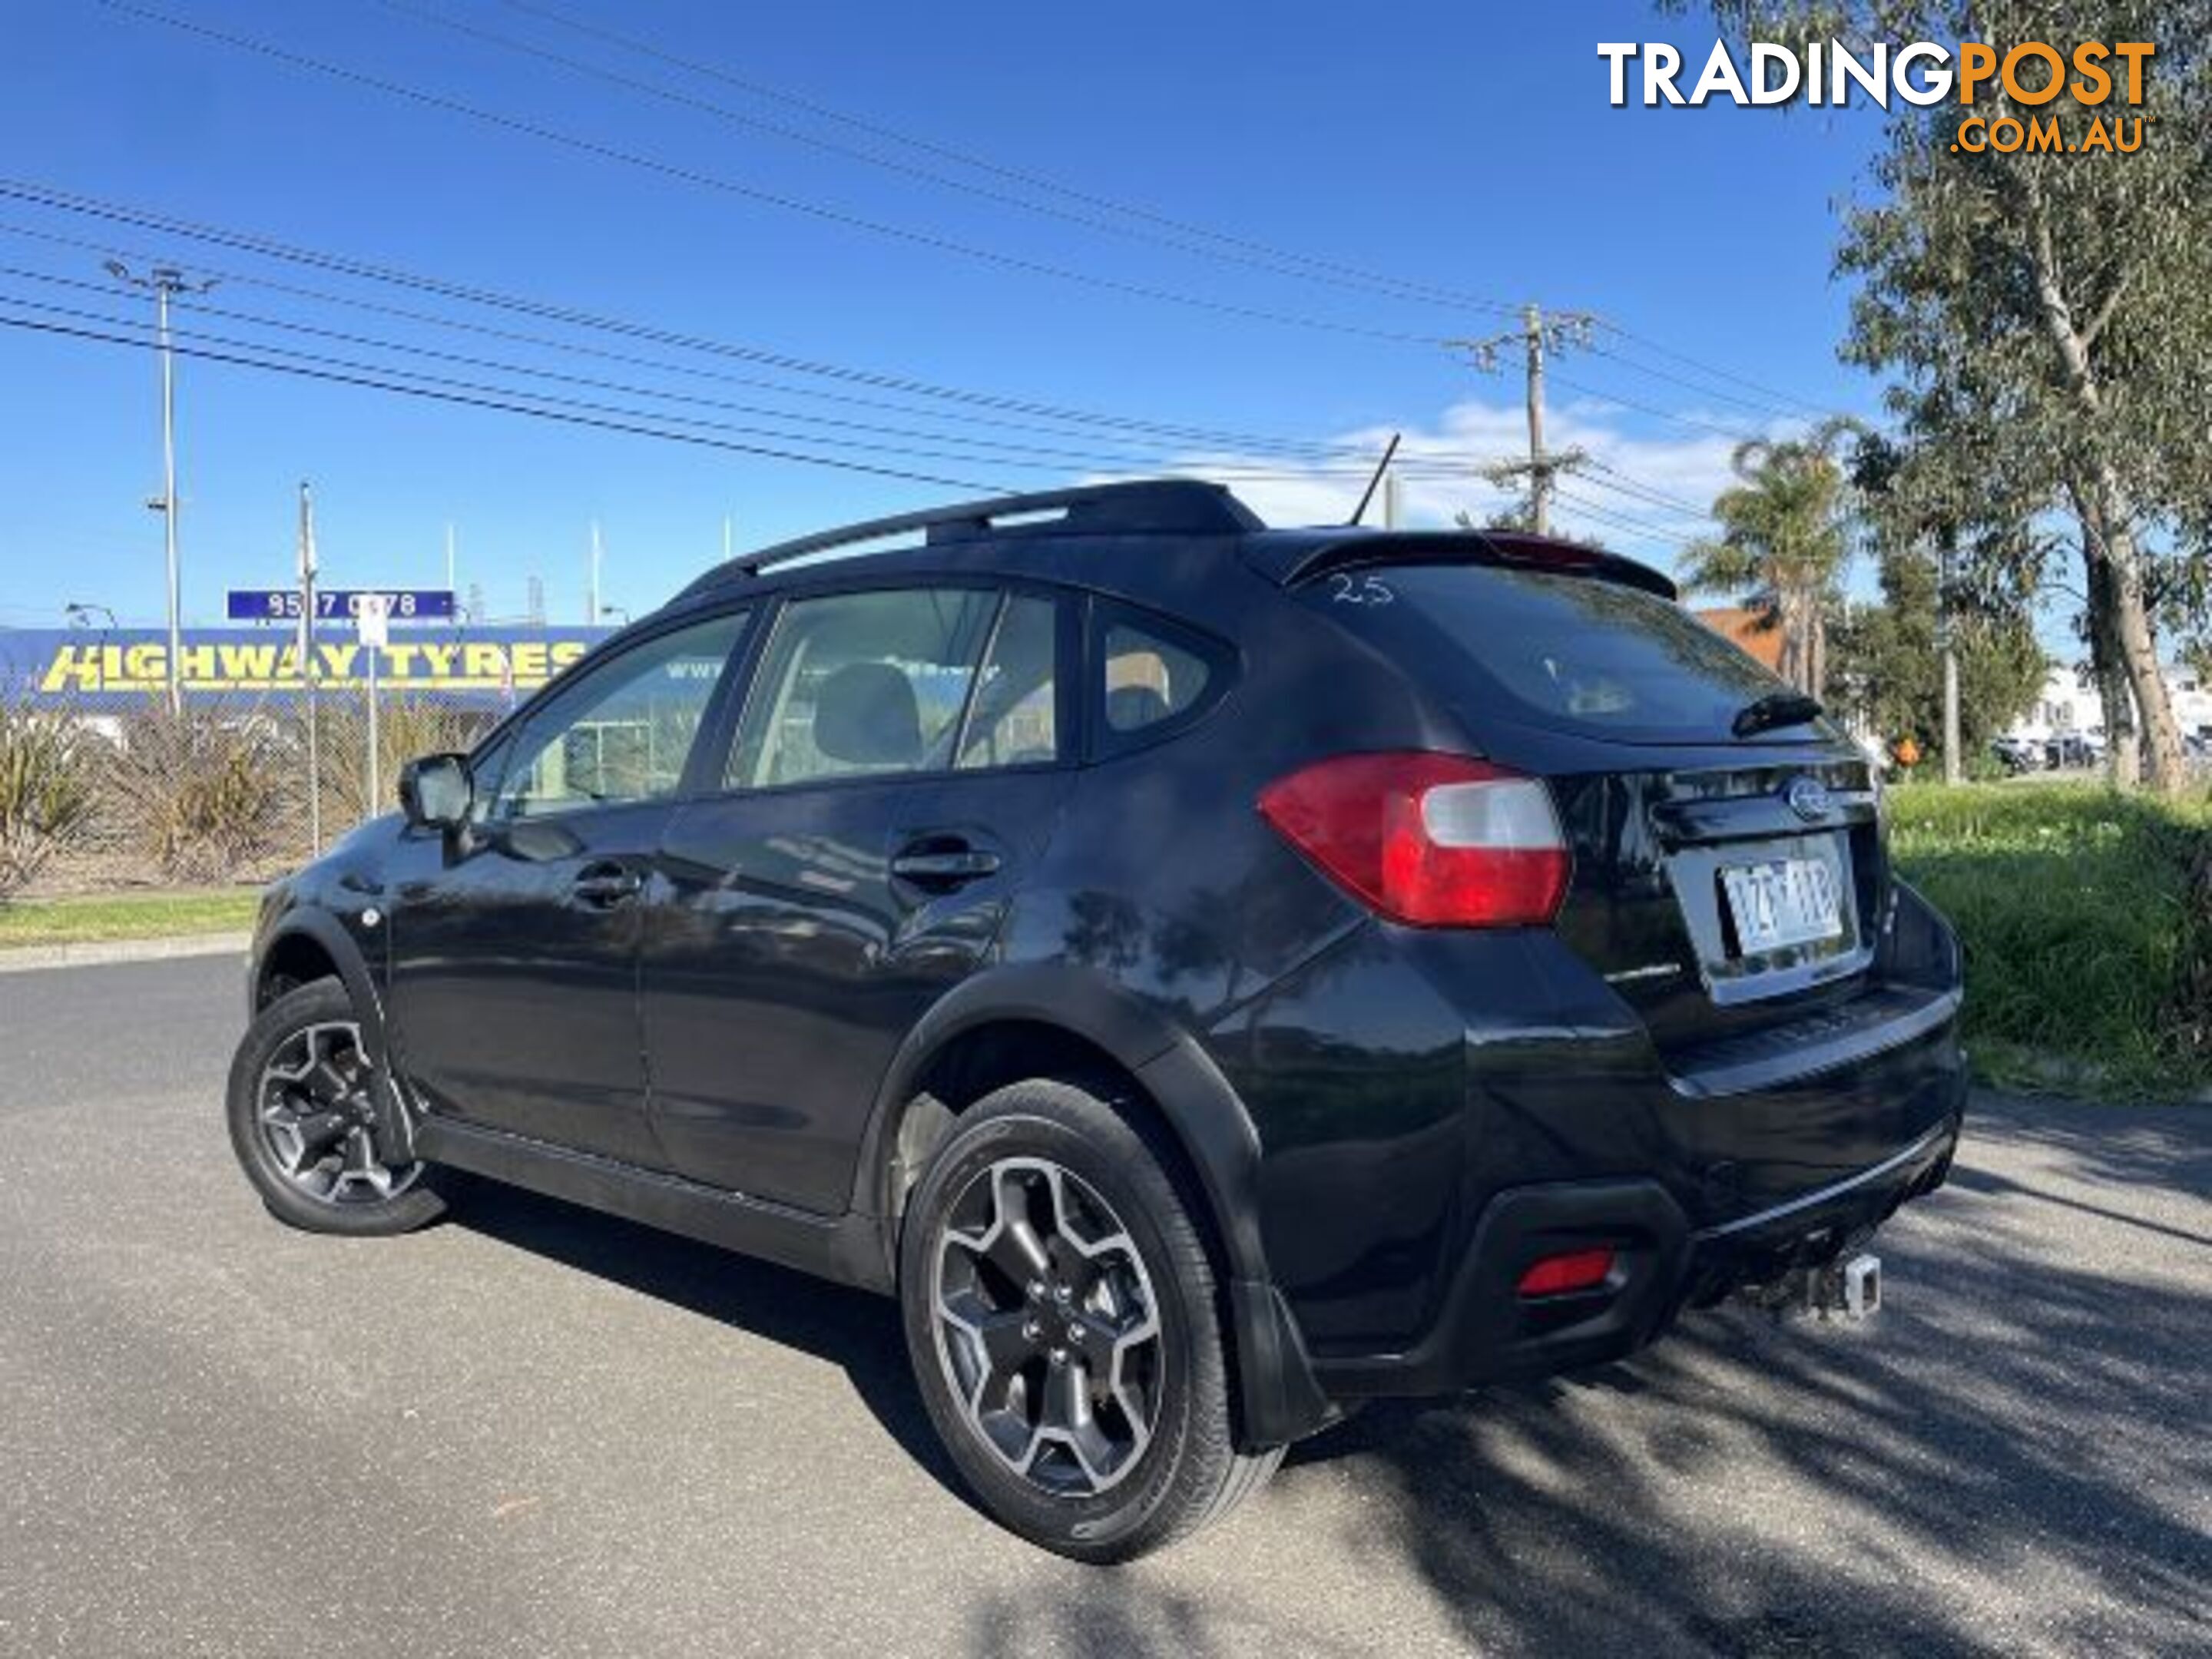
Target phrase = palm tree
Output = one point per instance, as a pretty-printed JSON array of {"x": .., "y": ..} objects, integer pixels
[{"x": 1785, "y": 538}]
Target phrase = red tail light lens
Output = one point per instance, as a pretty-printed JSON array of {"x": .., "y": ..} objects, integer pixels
[
  {"x": 1577, "y": 1270},
  {"x": 1434, "y": 841}
]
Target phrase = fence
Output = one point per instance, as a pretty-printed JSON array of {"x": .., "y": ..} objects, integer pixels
[{"x": 230, "y": 790}]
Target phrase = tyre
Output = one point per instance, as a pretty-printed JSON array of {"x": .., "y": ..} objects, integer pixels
[
  {"x": 300, "y": 1110},
  {"x": 1061, "y": 1316}
]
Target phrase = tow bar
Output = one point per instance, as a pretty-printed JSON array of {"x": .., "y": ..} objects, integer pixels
[{"x": 1850, "y": 1287}]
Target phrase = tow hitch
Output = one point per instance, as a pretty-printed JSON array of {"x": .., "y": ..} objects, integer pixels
[{"x": 1849, "y": 1287}]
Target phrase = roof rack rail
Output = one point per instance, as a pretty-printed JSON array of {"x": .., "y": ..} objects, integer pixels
[{"x": 1147, "y": 507}]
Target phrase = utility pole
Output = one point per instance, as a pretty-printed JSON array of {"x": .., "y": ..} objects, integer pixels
[
  {"x": 162, "y": 282},
  {"x": 1537, "y": 334},
  {"x": 592, "y": 616},
  {"x": 309, "y": 669},
  {"x": 1947, "y": 642}
]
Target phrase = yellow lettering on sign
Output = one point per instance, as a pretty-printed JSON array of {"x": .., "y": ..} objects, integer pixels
[
  {"x": 71, "y": 667},
  {"x": 484, "y": 662},
  {"x": 530, "y": 667},
  {"x": 248, "y": 662}
]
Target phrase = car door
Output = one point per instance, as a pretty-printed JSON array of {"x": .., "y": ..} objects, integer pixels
[
  {"x": 515, "y": 948},
  {"x": 897, "y": 768}
]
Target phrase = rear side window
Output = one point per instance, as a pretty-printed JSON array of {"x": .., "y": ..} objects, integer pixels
[
  {"x": 1014, "y": 719},
  {"x": 1150, "y": 676},
  {"x": 1567, "y": 652}
]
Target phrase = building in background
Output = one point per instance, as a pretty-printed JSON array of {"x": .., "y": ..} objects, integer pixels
[
  {"x": 2067, "y": 706},
  {"x": 1745, "y": 629}
]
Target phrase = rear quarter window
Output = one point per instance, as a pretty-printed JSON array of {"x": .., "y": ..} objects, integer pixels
[
  {"x": 1150, "y": 677},
  {"x": 1568, "y": 652}
]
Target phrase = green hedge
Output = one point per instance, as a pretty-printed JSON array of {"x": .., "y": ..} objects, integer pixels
[{"x": 2086, "y": 918}]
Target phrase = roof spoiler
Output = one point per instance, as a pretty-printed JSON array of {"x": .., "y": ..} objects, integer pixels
[{"x": 1512, "y": 549}]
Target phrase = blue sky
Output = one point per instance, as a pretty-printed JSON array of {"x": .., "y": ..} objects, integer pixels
[{"x": 1464, "y": 147}]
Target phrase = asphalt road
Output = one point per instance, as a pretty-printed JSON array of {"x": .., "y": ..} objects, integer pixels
[{"x": 536, "y": 1431}]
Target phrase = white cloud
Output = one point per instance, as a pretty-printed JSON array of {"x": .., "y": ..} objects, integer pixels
[{"x": 1610, "y": 500}]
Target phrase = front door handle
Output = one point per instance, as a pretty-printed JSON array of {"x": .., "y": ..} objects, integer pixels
[
  {"x": 603, "y": 886},
  {"x": 945, "y": 867}
]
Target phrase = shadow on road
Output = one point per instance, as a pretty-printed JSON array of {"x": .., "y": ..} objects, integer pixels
[
  {"x": 1998, "y": 1463},
  {"x": 1995, "y": 1435},
  {"x": 854, "y": 1329}
]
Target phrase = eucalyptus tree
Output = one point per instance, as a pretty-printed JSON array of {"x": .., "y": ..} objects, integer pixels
[{"x": 2048, "y": 310}]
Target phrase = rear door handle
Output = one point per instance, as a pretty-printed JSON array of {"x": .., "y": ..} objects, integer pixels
[
  {"x": 950, "y": 866},
  {"x": 603, "y": 886}
]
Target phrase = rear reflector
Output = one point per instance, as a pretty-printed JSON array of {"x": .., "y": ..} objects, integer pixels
[
  {"x": 1577, "y": 1270},
  {"x": 1435, "y": 841}
]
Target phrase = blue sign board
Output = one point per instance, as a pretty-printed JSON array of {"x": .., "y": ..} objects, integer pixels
[
  {"x": 339, "y": 605},
  {"x": 81, "y": 668}
]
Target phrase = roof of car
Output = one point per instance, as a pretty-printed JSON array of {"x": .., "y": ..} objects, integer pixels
[{"x": 999, "y": 531}]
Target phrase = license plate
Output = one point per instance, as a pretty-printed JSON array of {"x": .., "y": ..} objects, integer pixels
[{"x": 1781, "y": 903}]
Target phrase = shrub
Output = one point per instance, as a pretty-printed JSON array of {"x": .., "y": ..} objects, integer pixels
[
  {"x": 47, "y": 791},
  {"x": 2086, "y": 920},
  {"x": 203, "y": 794},
  {"x": 407, "y": 729}
]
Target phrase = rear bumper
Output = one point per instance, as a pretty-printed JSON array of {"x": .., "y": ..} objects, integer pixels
[{"x": 1487, "y": 1332}]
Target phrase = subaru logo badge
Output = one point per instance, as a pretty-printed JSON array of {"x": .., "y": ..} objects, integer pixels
[{"x": 1808, "y": 799}]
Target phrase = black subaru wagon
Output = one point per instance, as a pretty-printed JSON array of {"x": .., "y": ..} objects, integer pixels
[{"x": 1211, "y": 976}]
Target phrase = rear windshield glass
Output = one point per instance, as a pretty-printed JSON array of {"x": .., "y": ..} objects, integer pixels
[{"x": 1567, "y": 652}]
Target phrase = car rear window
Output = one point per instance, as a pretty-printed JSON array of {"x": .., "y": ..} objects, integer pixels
[{"x": 1568, "y": 652}]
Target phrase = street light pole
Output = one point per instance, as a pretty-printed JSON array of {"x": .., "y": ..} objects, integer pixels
[{"x": 163, "y": 281}]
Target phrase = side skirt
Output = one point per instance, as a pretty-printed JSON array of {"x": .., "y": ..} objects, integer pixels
[{"x": 845, "y": 1248}]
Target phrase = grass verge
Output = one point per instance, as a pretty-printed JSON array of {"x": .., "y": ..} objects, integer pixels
[
  {"x": 95, "y": 917},
  {"x": 2086, "y": 918}
]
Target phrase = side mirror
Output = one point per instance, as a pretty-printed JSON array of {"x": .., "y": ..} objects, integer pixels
[{"x": 436, "y": 792}]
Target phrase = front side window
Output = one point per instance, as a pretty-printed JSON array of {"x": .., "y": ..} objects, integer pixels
[
  {"x": 854, "y": 684},
  {"x": 621, "y": 732}
]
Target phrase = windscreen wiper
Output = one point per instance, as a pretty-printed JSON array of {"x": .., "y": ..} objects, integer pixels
[{"x": 1775, "y": 708}]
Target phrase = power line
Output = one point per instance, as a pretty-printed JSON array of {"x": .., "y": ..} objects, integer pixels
[
  {"x": 1179, "y": 236},
  {"x": 1001, "y": 448},
  {"x": 994, "y": 169},
  {"x": 265, "y": 247},
  {"x": 374, "y": 383},
  {"x": 1638, "y": 529},
  {"x": 1704, "y": 368},
  {"x": 683, "y": 174},
  {"x": 997, "y": 410},
  {"x": 645, "y": 423},
  {"x": 1621, "y": 483},
  {"x": 1773, "y": 410},
  {"x": 1690, "y": 421}
]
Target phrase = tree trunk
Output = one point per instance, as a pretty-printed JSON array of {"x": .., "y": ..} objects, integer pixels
[
  {"x": 2106, "y": 512},
  {"x": 2107, "y": 668},
  {"x": 2131, "y": 648}
]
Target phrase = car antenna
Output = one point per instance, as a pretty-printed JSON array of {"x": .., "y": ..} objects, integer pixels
[{"x": 1380, "y": 467}]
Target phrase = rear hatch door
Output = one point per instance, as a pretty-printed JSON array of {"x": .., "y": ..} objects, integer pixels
[{"x": 1730, "y": 879}]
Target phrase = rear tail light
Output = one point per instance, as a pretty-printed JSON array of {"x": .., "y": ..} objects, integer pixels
[
  {"x": 1435, "y": 841},
  {"x": 1577, "y": 1270}
]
